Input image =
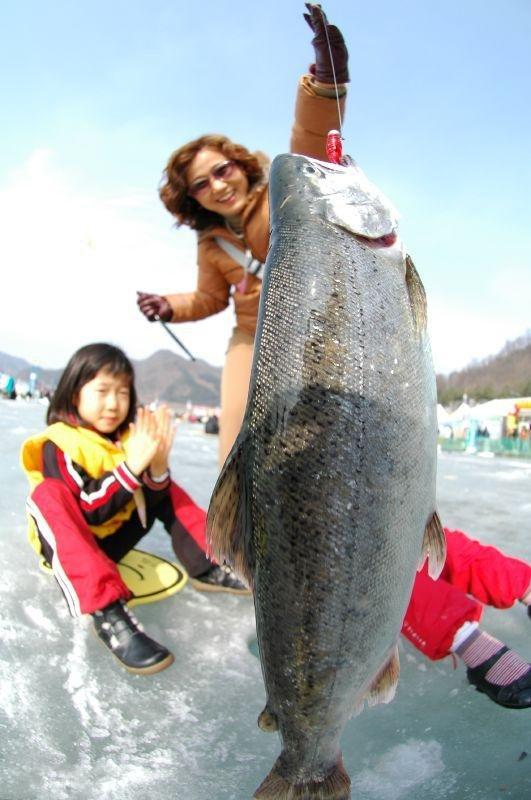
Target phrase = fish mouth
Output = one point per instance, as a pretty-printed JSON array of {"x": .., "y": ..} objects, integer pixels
[{"x": 382, "y": 241}]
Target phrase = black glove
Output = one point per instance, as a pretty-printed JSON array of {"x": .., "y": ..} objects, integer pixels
[
  {"x": 154, "y": 307},
  {"x": 322, "y": 69}
]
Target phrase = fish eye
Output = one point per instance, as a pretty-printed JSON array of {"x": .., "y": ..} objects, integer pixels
[{"x": 310, "y": 169}]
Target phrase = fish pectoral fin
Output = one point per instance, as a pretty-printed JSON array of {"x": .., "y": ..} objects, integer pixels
[
  {"x": 384, "y": 686},
  {"x": 433, "y": 547},
  {"x": 226, "y": 518},
  {"x": 417, "y": 296},
  {"x": 358, "y": 707}
]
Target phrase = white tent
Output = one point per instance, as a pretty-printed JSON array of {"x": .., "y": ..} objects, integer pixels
[
  {"x": 444, "y": 422},
  {"x": 495, "y": 409},
  {"x": 443, "y": 417},
  {"x": 462, "y": 412}
]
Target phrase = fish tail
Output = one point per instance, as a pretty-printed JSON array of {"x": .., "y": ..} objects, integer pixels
[
  {"x": 336, "y": 786},
  {"x": 434, "y": 547}
]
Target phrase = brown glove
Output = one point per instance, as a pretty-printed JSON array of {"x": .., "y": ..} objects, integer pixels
[
  {"x": 154, "y": 307},
  {"x": 322, "y": 69}
]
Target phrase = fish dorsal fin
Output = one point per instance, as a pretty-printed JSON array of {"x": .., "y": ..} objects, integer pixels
[
  {"x": 384, "y": 686},
  {"x": 417, "y": 296},
  {"x": 226, "y": 518},
  {"x": 433, "y": 547}
]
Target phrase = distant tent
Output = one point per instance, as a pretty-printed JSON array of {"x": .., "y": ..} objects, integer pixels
[
  {"x": 462, "y": 412},
  {"x": 443, "y": 417},
  {"x": 493, "y": 409}
]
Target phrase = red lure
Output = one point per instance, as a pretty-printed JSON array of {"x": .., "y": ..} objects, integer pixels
[{"x": 334, "y": 147}]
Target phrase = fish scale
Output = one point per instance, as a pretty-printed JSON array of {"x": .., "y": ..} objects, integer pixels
[{"x": 325, "y": 497}]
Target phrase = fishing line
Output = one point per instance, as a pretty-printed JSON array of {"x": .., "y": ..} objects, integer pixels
[{"x": 323, "y": 16}]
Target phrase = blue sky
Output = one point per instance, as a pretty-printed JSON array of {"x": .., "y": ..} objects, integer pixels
[{"x": 100, "y": 93}]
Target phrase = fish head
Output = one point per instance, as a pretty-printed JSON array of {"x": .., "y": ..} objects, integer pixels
[{"x": 342, "y": 195}]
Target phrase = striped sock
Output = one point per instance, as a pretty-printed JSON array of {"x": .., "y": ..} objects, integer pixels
[
  {"x": 480, "y": 646},
  {"x": 509, "y": 668}
]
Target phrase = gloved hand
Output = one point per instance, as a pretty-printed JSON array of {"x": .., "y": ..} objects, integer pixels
[
  {"x": 322, "y": 69},
  {"x": 154, "y": 306}
]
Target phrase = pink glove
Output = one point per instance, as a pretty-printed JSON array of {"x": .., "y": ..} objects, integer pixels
[
  {"x": 322, "y": 69},
  {"x": 154, "y": 307}
]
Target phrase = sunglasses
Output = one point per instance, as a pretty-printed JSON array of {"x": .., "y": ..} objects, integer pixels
[{"x": 221, "y": 172}]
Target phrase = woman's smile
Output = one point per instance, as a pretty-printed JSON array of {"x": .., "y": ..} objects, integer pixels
[{"x": 217, "y": 184}]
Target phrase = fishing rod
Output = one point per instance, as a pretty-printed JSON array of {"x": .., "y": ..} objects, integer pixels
[
  {"x": 175, "y": 338},
  {"x": 167, "y": 329}
]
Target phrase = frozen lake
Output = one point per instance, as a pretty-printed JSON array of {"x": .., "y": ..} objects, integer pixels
[{"x": 75, "y": 726}]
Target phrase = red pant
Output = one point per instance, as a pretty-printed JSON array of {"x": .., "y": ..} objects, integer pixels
[
  {"x": 473, "y": 574},
  {"x": 84, "y": 565}
]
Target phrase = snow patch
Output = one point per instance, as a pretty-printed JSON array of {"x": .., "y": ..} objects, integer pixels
[
  {"x": 402, "y": 768},
  {"x": 37, "y": 616}
]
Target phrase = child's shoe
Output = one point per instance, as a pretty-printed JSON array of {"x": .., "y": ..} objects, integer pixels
[
  {"x": 219, "y": 578},
  {"x": 120, "y": 631},
  {"x": 516, "y": 694}
]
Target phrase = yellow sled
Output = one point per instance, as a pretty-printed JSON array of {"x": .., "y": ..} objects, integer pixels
[{"x": 149, "y": 577}]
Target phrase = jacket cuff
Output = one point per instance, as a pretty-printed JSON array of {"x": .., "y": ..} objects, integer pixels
[
  {"x": 156, "y": 484},
  {"x": 327, "y": 89},
  {"x": 126, "y": 478}
]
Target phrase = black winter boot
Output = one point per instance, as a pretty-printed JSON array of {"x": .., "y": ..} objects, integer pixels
[
  {"x": 220, "y": 579},
  {"x": 120, "y": 631}
]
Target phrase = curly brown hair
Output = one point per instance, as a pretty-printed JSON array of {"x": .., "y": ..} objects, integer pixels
[{"x": 173, "y": 189}]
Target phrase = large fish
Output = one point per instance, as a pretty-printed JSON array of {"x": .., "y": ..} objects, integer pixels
[{"x": 326, "y": 503}]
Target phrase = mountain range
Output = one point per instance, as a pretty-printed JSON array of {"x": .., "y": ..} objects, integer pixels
[
  {"x": 163, "y": 376},
  {"x": 505, "y": 374},
  {"x": 171, "y": 378}
]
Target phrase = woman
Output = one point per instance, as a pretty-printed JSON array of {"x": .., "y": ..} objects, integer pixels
[{"x": 219, "y": 189}]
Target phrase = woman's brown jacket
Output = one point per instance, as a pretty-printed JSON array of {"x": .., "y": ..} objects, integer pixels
[{"x": 218, "y": 274}]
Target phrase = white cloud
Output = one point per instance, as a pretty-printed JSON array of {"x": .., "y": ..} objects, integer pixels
[{"x": 72, "y": 262}]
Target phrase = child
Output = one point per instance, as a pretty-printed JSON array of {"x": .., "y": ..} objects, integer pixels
[
  {"x": 443, "y": 616},
  {"x": 99, "y": 479}
]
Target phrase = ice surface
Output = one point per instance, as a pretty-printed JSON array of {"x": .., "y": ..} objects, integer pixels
[{"x": 75, "y": 726}]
